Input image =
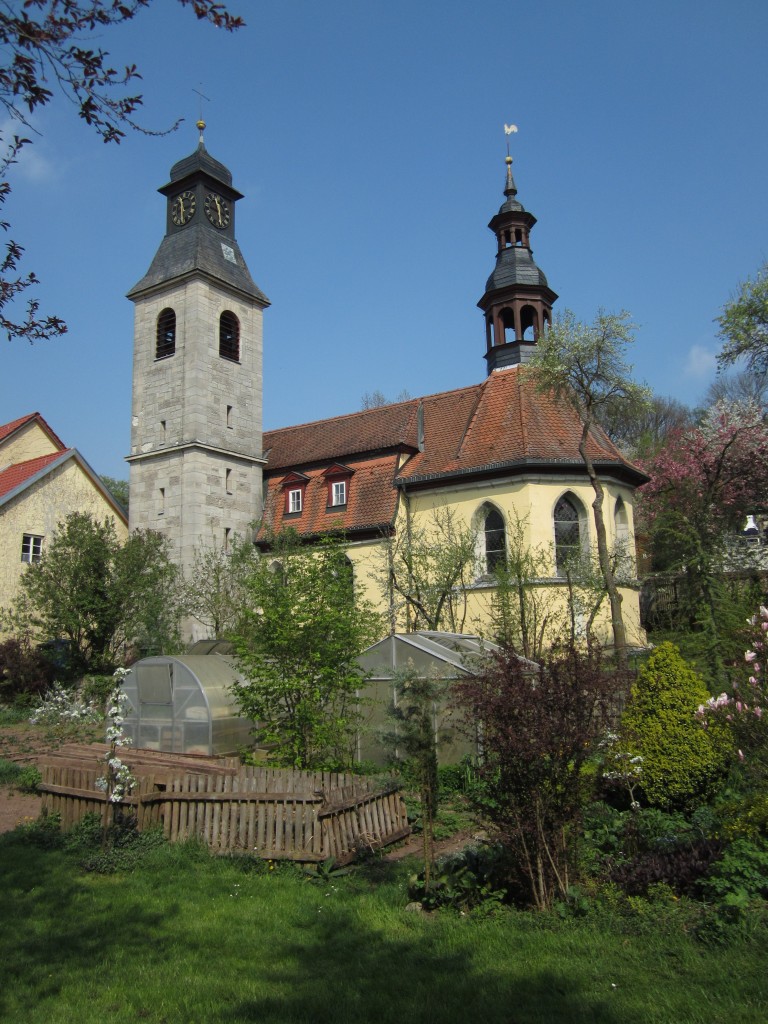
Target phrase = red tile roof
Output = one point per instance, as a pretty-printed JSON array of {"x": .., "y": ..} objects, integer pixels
[
  {"x": 504, "y": 421},
  {"x": 502, "y": 424},
  {"x": 371, "y": 500},
  {"x": 7, "y": 429},
  {"x": 385, "y": 428},
  {"x": 21, "y": 472}
]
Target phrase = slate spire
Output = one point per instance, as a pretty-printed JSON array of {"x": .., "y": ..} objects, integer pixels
[{"x": 517, "y": 302}]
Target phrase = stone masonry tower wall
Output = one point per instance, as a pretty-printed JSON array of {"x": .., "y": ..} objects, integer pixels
[{"x": 196, "y": 435}]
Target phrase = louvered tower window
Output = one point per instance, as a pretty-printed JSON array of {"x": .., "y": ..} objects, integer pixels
[
  {"x": 229, "y": 336},
  {"x": 166, "y": 334}
]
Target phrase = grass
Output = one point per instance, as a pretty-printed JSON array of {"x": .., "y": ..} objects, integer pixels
[{"x": 187, "y": 937}]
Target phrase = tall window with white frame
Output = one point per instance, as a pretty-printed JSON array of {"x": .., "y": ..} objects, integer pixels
[
  {"x": 338, "y": 493},
  {"x": 294, "y": 500},
  {"x": 31, "y": 547}
]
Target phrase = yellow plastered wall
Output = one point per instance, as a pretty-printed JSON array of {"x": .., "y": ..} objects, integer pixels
[
  {"x": 532, "y": 502},
  {"x": 38, "y": 509},
  {"x": 29, "y": 442}
]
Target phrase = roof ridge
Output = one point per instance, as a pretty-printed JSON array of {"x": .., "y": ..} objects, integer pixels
[
  {"x": 521, "y": 417},
  {"x": 472, "y": 415}
]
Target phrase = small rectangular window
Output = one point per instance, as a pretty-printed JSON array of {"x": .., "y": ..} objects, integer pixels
[
  {"x": 227, "y": 540},
  {"x": 339, "y": 493},
  {"x": 161, "y": 510},
  {"x": 228, "y": 480},
  {"x": 31, "y": 548},
  {"x": 294, "y": 500},
  {"x": 230, "y": 417}
]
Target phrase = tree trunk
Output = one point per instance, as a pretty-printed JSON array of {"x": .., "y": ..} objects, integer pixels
[{"x": 604, "y": 558}]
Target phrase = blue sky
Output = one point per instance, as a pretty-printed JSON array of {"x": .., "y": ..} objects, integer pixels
[{"x": 368, "y": 139}]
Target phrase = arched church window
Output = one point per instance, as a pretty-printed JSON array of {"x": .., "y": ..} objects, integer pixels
[
  {"x": 567, "y": 533},
  {"x": 166, "y": 334},
  {"x": 229, "y": 336},
  {"x": 621, "y": 528},
  {"x": 494, "y": 540}
]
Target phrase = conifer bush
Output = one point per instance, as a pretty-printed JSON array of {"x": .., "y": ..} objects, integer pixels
[{"x": 681, "y": 761}]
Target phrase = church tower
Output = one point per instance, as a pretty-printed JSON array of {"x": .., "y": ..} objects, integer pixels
[
  {"x": 196, "y": 445},
  {"x": 518, "y": 301}
]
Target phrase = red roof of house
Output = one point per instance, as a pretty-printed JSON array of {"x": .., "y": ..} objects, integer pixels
[
  {"x": 503, "y": 424},
  {"x": 7, "y": 429},
  {"x": 371, "y": 499},
  {"x": 21, "y": 472}
]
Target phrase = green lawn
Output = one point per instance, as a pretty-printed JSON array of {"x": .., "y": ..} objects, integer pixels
[{"x": 190, "y": 938}]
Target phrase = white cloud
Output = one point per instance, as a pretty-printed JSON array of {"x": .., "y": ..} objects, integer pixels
[
  {"x": 700, "y": 362},
  {"x": 31, "y": 163}
]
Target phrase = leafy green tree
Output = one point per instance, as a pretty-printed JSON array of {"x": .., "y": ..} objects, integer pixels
[
  {"x": 585, "y": 365},
  {"x": 681, "y": 760},
  {"x": 297, "y": 643},
  {"x": 46, "y": 41},
  {"x": 102, "y": 596},
  {"x": 425, "y": 570},
  {"x": 119, "y": 489},
  {"x": 744, "y": 325},
  {"x": 215, "y": 591}
]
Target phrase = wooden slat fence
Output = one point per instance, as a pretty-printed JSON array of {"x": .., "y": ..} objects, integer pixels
[{"x": 276, "y": 814}]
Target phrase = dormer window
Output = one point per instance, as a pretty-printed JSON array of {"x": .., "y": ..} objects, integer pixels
[
  {"x": 337, "y": 478},
  {"x": 294, "y": 487}
]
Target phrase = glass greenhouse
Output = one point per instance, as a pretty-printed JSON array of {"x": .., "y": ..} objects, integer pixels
[
  {"x": 184, "y": 705},
  {"x": 444, "y": 657}
]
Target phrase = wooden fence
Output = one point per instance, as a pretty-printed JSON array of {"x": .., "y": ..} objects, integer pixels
[{"x": 276, "y": 814}]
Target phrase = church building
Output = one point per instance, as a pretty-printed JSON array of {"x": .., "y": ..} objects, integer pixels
[{"x": 496, "y": 457}]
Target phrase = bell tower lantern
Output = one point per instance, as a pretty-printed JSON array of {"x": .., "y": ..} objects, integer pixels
[{"x": 518, "y": 301}]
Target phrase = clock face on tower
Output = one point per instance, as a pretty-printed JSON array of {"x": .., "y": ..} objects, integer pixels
[
  {"x": 183, "y": 208},
  {"x": 217, "y": 210}
]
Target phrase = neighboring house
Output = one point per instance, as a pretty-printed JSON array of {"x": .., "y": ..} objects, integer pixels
[
  {"x": 491, "y": 454},
  {"x": 41, "y": 482}
]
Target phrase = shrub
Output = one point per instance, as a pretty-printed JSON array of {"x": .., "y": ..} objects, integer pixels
[
  {"x": 23, "y": 669},
  {"x": 540, "y": 727},
  {"x": 463, "y": 881},
  {"x": 681, "y": 761},
  {"x": 681, "y": 868}
]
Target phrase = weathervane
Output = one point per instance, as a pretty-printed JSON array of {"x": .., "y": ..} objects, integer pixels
[{"x": 508, "y": 130}]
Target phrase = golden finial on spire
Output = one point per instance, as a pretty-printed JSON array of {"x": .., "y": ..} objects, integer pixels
[{"x": 200, "y": 122}]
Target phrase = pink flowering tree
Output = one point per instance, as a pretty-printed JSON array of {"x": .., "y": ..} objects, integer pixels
[
  {"x": 703, "y": 483},
  {"x": 705, "y": 480},
  {"x": 745, "y": 710}
]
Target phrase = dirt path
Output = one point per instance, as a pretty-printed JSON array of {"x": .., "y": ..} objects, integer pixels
[{"x": 16, "y": 808}]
